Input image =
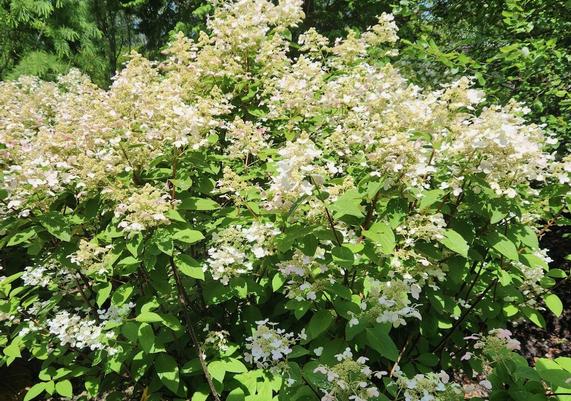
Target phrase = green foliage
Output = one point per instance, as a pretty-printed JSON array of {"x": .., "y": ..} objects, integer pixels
[
  {"x": 515, "y": 49},
  {"x": 45, "y": 38},
  {"x": 161, "y": 267}
]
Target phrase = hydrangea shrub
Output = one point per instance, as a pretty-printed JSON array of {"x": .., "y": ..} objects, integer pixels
[{"x": 260, "y": 219}]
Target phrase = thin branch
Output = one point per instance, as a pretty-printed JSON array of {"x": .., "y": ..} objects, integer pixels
[
  {"x": 465, "y": 315},
  {"x": 184, "y": 300}
]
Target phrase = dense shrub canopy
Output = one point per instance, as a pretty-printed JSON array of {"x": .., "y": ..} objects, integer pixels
[{"x": 257, "y": 219}]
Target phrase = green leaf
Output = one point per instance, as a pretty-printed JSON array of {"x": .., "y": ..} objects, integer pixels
[
  {"x": 429, "y": 198},
  {"x": 200, "y": 395},
  {"x": 149, "y": 317},
  {"x": 56, "y": 225},
  {"x": 189, "y": 266},
  {"x": 13, "y": 350},
  {"x": 343, "y": 256},
  {"x": 182, "y": 184},
  {"x": 234, "y": 365},
  {"x": 35, "y": 390},
  {"x": 277, "y": 282},
  {"x": 92, "y": 386},
  {"x": 146, "y": 337},
  {"x": 217, "y": 370},
  {"x": 503, "y": 245},
  {"x": 122, "y": 294},
  {"x": 382, "y": 235},
  {"x": 103, "y": 293},
  {"x": 193, "y": 203},
  {"x": 528, "y": 237},
  {"x": 379, "y": 340},
  {"x": 188, "y": 236},
  {"x": 554, "y": 304},
  {"x": 534, "y": 316},
  {"x": 236, "y": 395},
  {"x": 348, "y": 204},
  {"x": 556, "y": 273},
  {"x": 64, "y": 388},
  {"x": 455, "y": 242},
  {"x": 21, "y": 236},
  {"x": 319, "y": 323},
  {"x": 168, "y": 372},
  {"x": 174, "y": 215}
]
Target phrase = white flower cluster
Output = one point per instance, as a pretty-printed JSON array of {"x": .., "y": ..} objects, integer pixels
[
  {"x": 499, "y": 337},
  {"x": 268, "y": 345},
  {"x": 532, "y": 273},
  {"x": 36, "y": 275},
  {"x": 216, "y": 340},
  {"x": 91, "y": 258},
  {"x": 259, "y": 236},
  {"x": 291, "y": 182},
  {"x": 229, "y": 255},
  {"x": 495, "y": 346},
  {"x": 49, "y": 272},
  {"x": 428, "y": 387},
  {"x": 349, "y": 379},
  {"x": 143, "y": 210},
  {"x": 304, "y": 274},
  {"x": 562, "y": 170},
  {"x": 245, "y": 138},
  {"x": 388, "y": 302},
  {"x": 77, "y": 331},
  {"x": 406, "y": 260},
  {"x": 115, "y": 314},
  {"x": 427, "y": 227}
]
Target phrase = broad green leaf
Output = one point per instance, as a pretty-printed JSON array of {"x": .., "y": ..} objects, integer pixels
[
  {"x": 167, "y": 370},
  {"x": 234, "y": 365},
  {"x": 103, "y": 292},
  {"x": 13, "y": 350},
  {"x": 556, "y": 273},
  {"x": 56, "y": 225},
  {"x": 455, "y": 242},
  {"x": 236, "y": 395},
  {"x": 189, "y": 266},
  {"x": 35, "y": 390},
  {"x": 146, "y": 337},
  {"x": 198, "y": 204},
  {"x": 188, "y": 236},
  {"x": 429, "y": 198},
  {"x": 122, "y": 294},
  {"x": 319, "y": 323},
  {"x": 200, "y": 395},
  {"x": 382, "y": 235},
  {"x": 277, "y": 282},
  {"x": 554, "y": 304},
  {"x": 299, "y": 308},
  {"x": 182, "y": 184},
  {"x": 217, "y": 370},
  {"x": 348, "y": 204},
  {"x": 343, "y": 256},
  {"x": 64, "y": 388},
  {"x": 21, "y": 236},
  {"x": 149, "y": 317},
  {"x": 534, "y": 316},
  {"x": 174, "y": 215},
  {"x": 503, "y": 245},
  {"x": 528, "y": 237},
  {"x": 92, "y": 386},
  {"x": 379, "y": 339},
  {"x": 533, "y": 261}
]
